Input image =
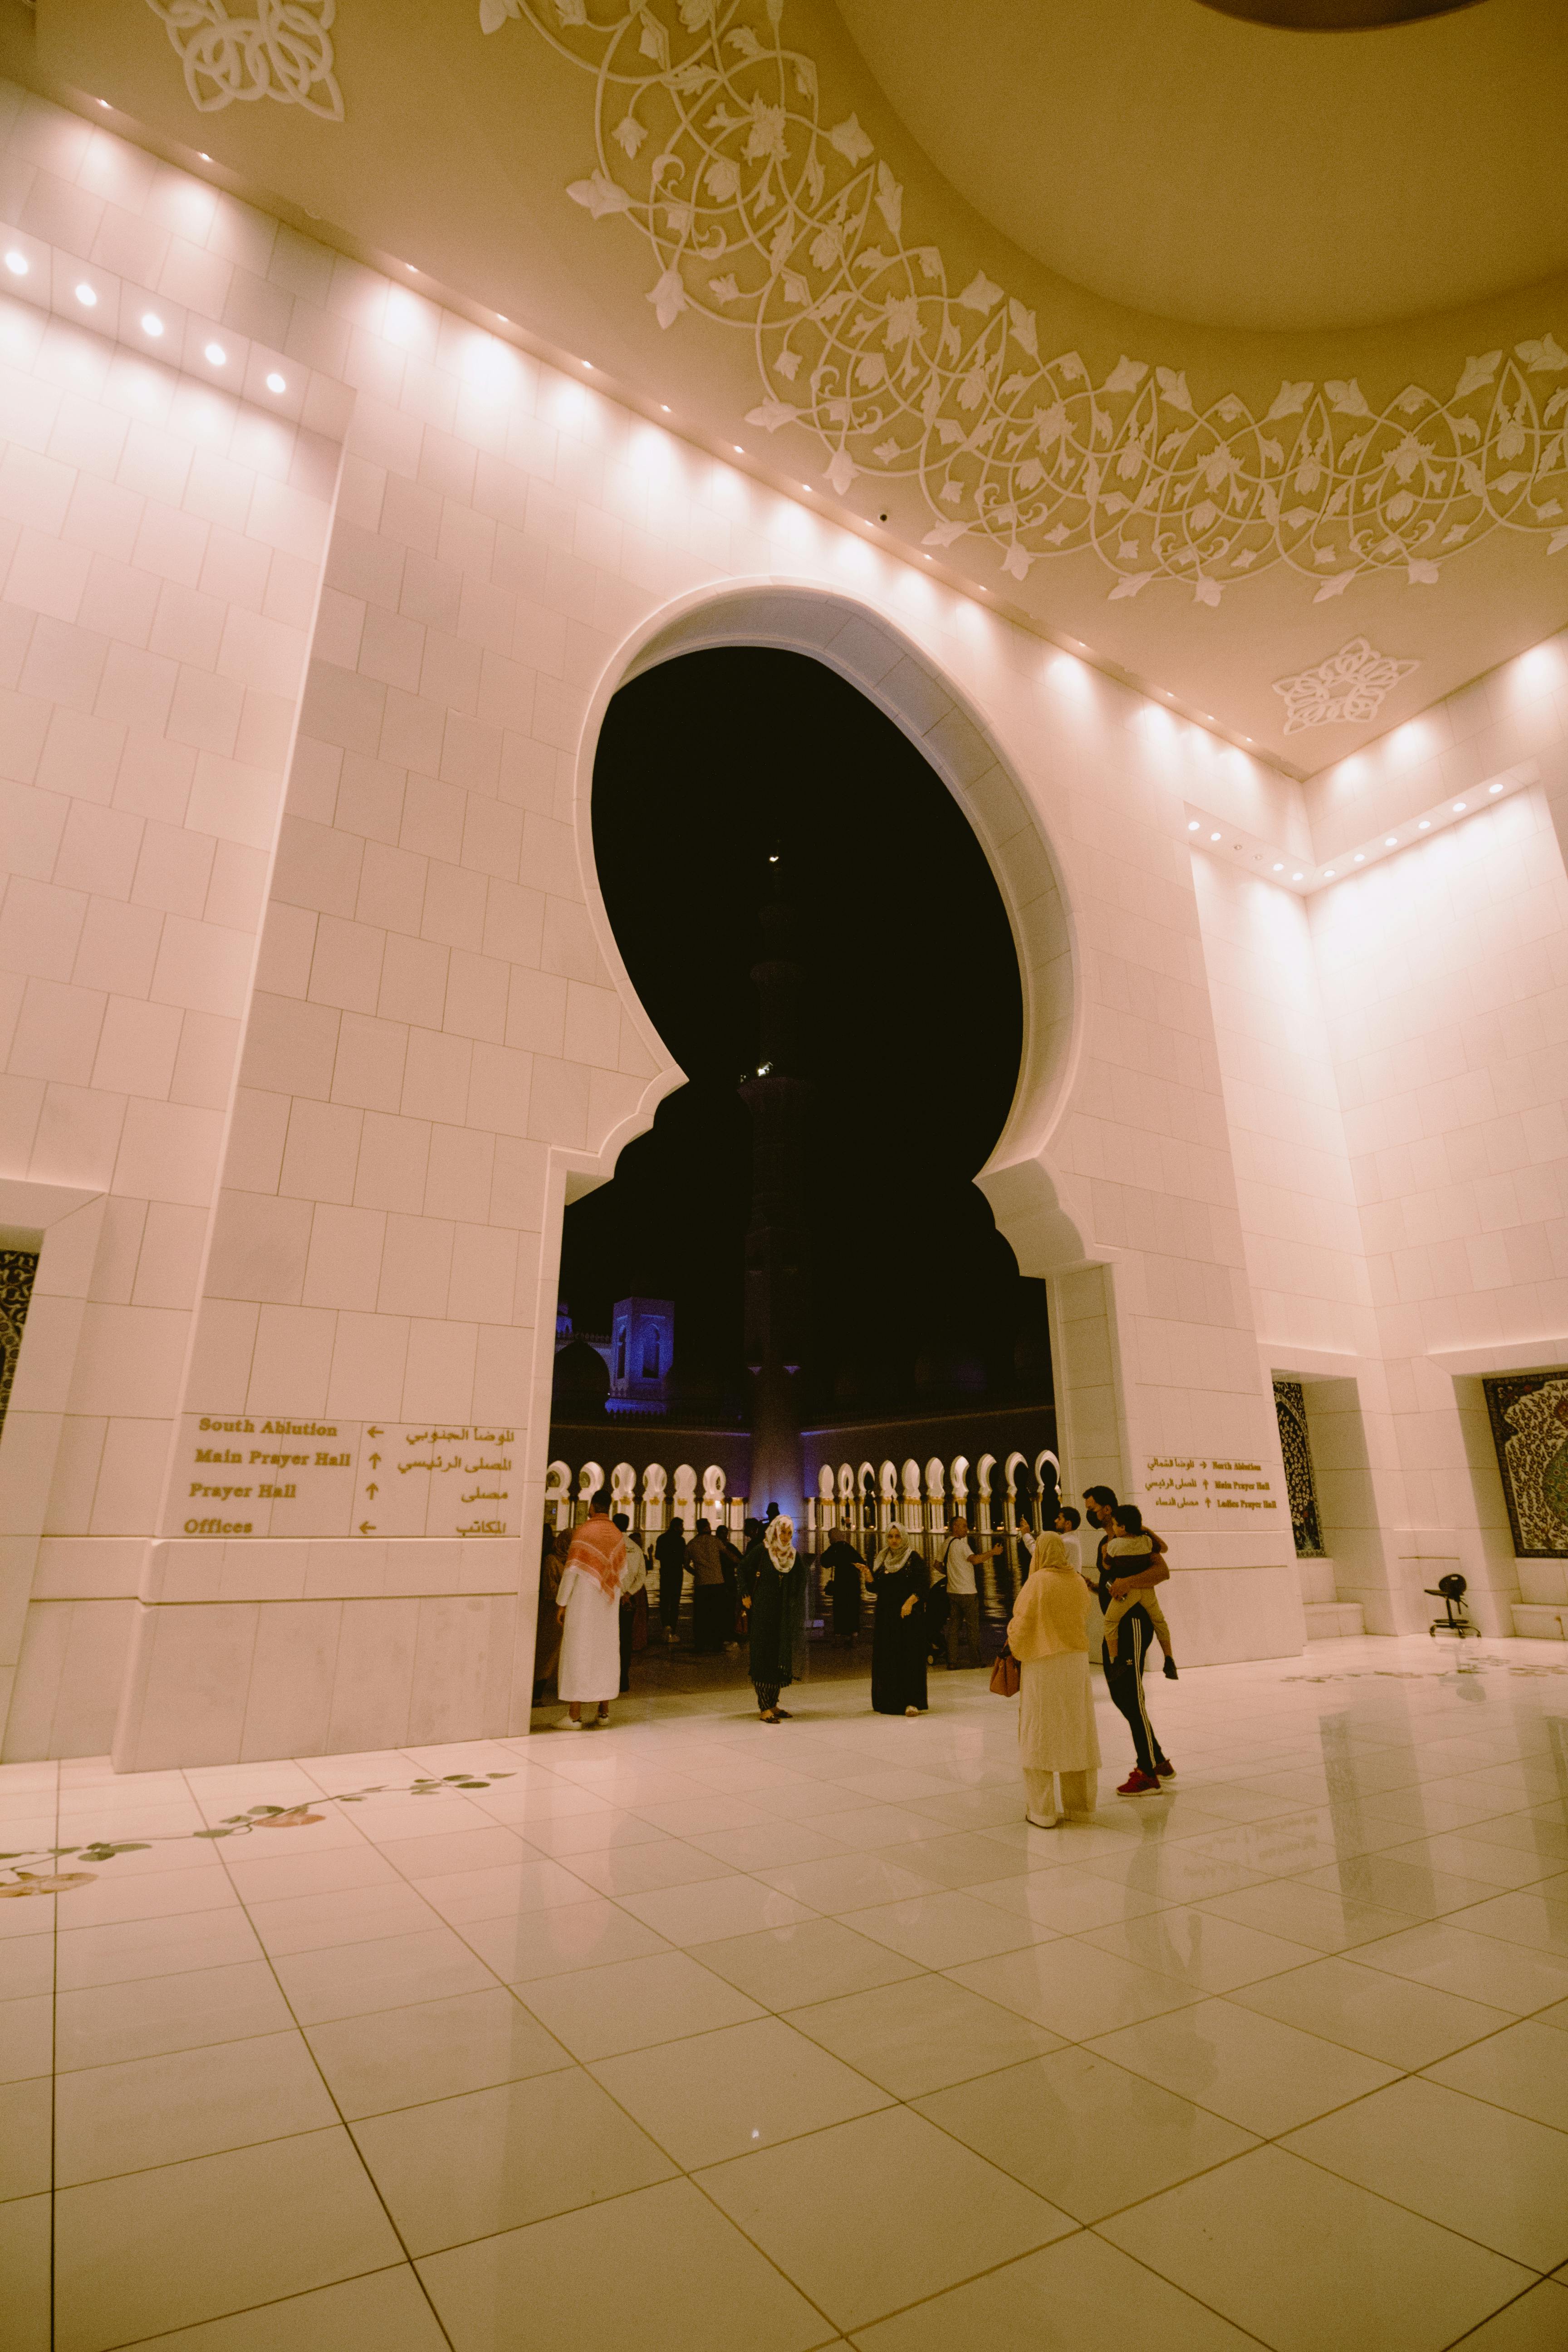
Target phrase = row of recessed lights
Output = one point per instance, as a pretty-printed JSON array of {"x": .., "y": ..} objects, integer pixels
[
  {"x": 151, "y": 323},
  {"x": 1390, "y": 840}
]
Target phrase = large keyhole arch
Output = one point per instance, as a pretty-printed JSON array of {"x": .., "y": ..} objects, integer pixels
[{"x": 901, "y": 680}]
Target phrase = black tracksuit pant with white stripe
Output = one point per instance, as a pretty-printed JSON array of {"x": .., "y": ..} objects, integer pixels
[{"x": 1124, "y": 1681}]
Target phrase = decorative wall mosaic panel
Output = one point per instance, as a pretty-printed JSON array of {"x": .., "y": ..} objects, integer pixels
[
  {"x": 1528, "y": 1414},
  {"x": 1306, "y": 1526},
  {"x": 1348, "y": 688},
  {"x": 17, "y": 1269}
]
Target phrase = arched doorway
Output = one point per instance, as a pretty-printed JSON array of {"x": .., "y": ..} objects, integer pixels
[{"x": 986, "y": 818}]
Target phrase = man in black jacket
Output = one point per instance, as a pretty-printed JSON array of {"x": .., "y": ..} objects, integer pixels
[{"x": 670, "y": 1553}]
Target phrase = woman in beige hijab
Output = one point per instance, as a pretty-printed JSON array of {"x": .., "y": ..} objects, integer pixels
[{"x": 1049, "y": 1636}]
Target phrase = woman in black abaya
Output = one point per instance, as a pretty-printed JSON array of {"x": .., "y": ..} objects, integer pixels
[{"x": 900, "y": 1580}]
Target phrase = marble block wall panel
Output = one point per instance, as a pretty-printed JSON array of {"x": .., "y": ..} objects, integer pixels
[
  {"x": 1218, "y": 1616},
  {"x": 70, "y": 1679},
  {"x": 229, "y": 1682}
]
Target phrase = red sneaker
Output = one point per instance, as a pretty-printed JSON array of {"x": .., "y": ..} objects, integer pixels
[
  {"x": 1137, "y": 1784},
  {"x": 1166, "y": 1772}
]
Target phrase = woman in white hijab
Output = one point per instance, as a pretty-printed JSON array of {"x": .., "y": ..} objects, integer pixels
[
  {"x": 899, "y": 1635},
  {"x": 772, "y": 1595},
  {"x": 1049, "y": 1636}
]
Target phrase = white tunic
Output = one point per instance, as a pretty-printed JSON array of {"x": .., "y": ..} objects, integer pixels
[
  {"x": 590, "y": 1664},
  {"x": 1055, "y": 1715}
]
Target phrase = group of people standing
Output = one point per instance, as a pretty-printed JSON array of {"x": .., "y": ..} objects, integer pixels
[{"x": 593, "y": 1617}]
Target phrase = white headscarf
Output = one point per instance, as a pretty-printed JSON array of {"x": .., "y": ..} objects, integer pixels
[
  {"x": 895, "y": 1552},
  {"x": 778, "y": 1539},
  {"x": 1051, "y": 1552}
]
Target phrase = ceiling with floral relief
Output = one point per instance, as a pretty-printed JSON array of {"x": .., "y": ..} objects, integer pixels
[{"x": 1208, "y": 345}]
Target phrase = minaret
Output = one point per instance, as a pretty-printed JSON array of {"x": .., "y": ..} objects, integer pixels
[{"x": 776, "y": 1290}]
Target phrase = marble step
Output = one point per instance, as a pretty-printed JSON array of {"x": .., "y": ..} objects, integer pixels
[
  {"x": 1535, "y": 1620},
  {"x": 1333, "y": 1621}
]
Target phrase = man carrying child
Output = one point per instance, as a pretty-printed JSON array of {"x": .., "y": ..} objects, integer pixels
[{"x": 1128, "y": 1566}]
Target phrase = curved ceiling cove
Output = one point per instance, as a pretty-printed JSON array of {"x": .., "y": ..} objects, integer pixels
[{"x": 1171, "y": 158}]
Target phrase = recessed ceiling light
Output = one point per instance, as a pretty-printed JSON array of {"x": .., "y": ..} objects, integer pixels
[
  {"x": 16, "y": 263},
  {"x": 1192, "y": 826},
  {"x": 216, "y": 354},
  {"x": 411, "y": 271},
  {"x": 737, "y": 448},
  {"x": 502, "y": 317},
  {"x": 1361, "y": 858},
  {"x": 589, "y": 365},
  {"x": 1213, "y": 837},
  {"x": 275, "y": 383},
  {"x": 1295, "y": 878},
  {"x": 1424, "y": 825},
  {"x": 1280, "y": 869},
  {"x": 86, "y": 296},
  {"x": 1391, "y": 841},
  {"x": 665, "y": 408},
  {"x": 203, "y": 155},
  {"x": 1494, "y": 788},
  {"x": 151, "y": 324},
  {"x": 104, "y": 103},
  {"x": 1327, "y": 873}
]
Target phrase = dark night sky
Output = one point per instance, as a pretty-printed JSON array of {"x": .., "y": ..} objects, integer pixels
[{"x": 911, "y": 1024}]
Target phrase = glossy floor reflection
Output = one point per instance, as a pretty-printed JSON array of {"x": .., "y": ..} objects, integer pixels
[{"x": 704, "y": 2034}]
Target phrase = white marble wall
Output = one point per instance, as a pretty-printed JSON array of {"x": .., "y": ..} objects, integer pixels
[{"x": 336, "y": 1067}]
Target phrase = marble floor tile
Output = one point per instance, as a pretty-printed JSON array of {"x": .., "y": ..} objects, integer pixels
[
  {"x": 735, "y": 1905},
  {"x": 1536, "y": 2323},
  {"x": 1252, "y": 2071},
  {"x": 1485, "y": 2173},
  {"x": 1306, "y": 1915},
  {"x": 1524, "y": 2069},
  {"x": 27, "y": 2037},
  {"x": 26, "y": 1966},
  {"x": 1398, "y": 2023},
  {"x": 875, "y": 2214},
  {"x": 156, "y": 1894},
  {"x": 138, "y": 1948},
  {"x": 849, "y": 1882},
  {"x": 1068, "y": 1900},
  {"x": 1303, "y": 2260},
  {"x": 1487, "y": 1969},
  {"x": 767, "y": 1844},
  {"x": 1212, "y": 1955},
  {"x": 1534, "y": 1915},
  {"x": 150, "y": 2252},
  {"x": 626, "y": 1869},
  {"x": 1073, "y": 1990},
  {"x": 358, "y": 1914},
  {"x": 106, "y": 2024},
  {"x": 661, "y": 2270},
  {"x": 385, "y": 2311},
  {"x": 26, "y": 2135},
  {"x": 189, "y": 2102},
  {"x": 1083, "y": 2133},
  {"x": 573, "y": 1936},
  {"x": 271, "y": 1877},
  {"x": 722, "y": 2094},
  {"x": 920, "y": 2034},
  {"x": 1076, "y": 2296},
  {"x": 1395, "y": 1883},
  {"x": 632, "y": 2004},
  {"x": 496, "y": 2160},
  {"x": 940, "y": 1930},
  {"x": 1485, "y": 1862},
  {"x": 433, "y": 2050},
  {"x": 438, "y": 1855},
  {"x": 820, "y": 1960},
  {"x": 350, "y": 1980}
]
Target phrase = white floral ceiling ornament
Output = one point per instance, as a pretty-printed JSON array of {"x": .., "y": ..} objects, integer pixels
[
  {"x": 281, "y": 49},
  {"x": 710, "y": 142},
  {"x": 1346, "y": 690}
]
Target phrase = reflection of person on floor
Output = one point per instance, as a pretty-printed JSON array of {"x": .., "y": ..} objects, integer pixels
[
  {"x": 706, "y": 1562},
  {"x": 843, "y": 1564},
  {"x": 1049, "y": 1635},
  {"x": 634, "y": 1600},
  {"x": 670, "y": 1553},
  {"x": 772, "y": 1594},
  {"x": 900, "y": 1581},
  {"x": 959, "y": 1561},
  {"x": 588, "y": 1606},
  {"x": 1132, "y": 1548},
  {"x": 1124, "y": 1671}
]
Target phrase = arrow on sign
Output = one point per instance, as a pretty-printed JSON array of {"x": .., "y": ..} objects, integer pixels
[
  {"x": 375, "y": 1461},
  {"x": 375, "y": 1433},
  {"x": 373, "y": 1489},
  {"x": 366, "y": 1527}
]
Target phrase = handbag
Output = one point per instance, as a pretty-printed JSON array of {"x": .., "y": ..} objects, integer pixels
[{"x": 1005, "y": 1676}]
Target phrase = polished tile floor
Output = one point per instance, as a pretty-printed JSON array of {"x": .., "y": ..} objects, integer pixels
[{"x": 706, "y": 2035}]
